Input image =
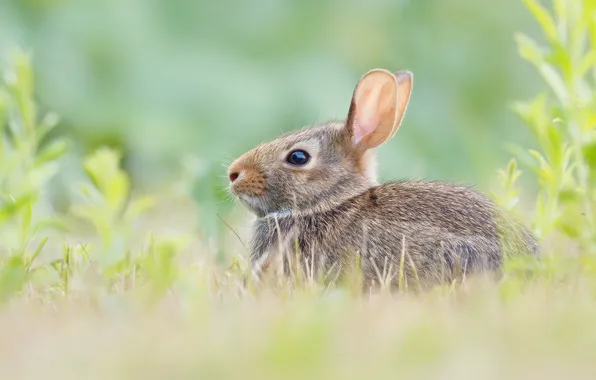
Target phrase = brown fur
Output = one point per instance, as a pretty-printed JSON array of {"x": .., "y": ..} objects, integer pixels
[{"x": 332, "y": 209}]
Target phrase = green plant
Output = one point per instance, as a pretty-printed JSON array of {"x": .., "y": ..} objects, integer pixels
[
  {"x": 562, "y": 121},
  {"x": 106, "y": 201},
  {"x": 28, "y": 161}
]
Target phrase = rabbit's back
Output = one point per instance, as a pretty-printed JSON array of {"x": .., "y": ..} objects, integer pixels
[{"x": 451, "y": 208}]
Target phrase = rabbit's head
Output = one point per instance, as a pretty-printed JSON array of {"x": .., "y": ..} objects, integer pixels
[{"x": 321, "y": 166}]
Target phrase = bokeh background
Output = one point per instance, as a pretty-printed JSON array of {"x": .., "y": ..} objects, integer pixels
[{"x": 168, "y": 80}]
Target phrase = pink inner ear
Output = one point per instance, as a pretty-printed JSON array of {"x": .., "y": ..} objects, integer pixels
[{"x": 367, "y": 116}]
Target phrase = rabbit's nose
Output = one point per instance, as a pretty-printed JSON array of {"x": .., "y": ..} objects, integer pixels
[{"x": 234, "y": 176}]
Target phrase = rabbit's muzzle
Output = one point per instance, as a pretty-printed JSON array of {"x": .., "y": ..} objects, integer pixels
[{"x": 245, "y": 181}]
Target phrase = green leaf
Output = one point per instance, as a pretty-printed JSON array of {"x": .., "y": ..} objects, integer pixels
[
  {"x": 138, "y": 206},
  {"x": 47, "y": 124},
  {"x": 589, "y": 152},
  {"x": 534, "y": 114},
  {"x": 560, "y": 7},
  {"x": 544, "y": 171},
  {"x": 25, "y": 223},
  {"x": 52, "y": 152},
  {"x": 544, "y": 18},
  {"x": 569, "y": 227},
  {"x": 554, "y": 145},
  {"x": 39, "y": 176},
  {"x": 36, "y": 253},
  {"x": 569, "y": 195},
  {"x": 12, "y": 276},
  {"x": 22, "y": 64},
  {"x": 103, "y": 168},
  {"x": 512, "y": 172},
  {"x": 586, "y": 63},
  {"x": 10, "y": 206},
  {"x": 3, "y": 107},
  {"x": 19, "y": 82},
  {"x": 529, "y": 50},
  {"x": 552, "y": 77}
]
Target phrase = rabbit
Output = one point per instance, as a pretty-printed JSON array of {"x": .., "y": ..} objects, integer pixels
[{"x": 316, "y": 198}]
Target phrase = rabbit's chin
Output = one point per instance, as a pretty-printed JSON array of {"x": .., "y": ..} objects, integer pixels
[
  {"x": 260, "y": 207},
  {"x": 257, "y": 205}
]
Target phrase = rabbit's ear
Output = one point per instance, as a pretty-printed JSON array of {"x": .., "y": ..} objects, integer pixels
[{"x": 378, "y": 106}]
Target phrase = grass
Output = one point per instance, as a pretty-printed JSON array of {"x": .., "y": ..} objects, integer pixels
[
  {"x": 121, "y": 286},
  {"x": 476, "y": 331}
]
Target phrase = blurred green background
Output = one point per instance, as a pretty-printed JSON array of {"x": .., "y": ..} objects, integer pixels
[{"x": 163, "y": 79}]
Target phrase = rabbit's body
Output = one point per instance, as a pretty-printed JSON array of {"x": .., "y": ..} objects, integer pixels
[
  {"x": 441, "y": 230},
  {"x": 316, "y": 199}
]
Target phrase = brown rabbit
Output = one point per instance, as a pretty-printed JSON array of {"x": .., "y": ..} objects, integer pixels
[{"x": 316, "y": 197}]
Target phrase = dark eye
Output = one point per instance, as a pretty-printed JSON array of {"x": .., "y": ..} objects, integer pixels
[{"x": 298, "y": 157}]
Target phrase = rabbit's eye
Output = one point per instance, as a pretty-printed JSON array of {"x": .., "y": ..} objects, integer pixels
[{"x": 298, "y": 157}]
